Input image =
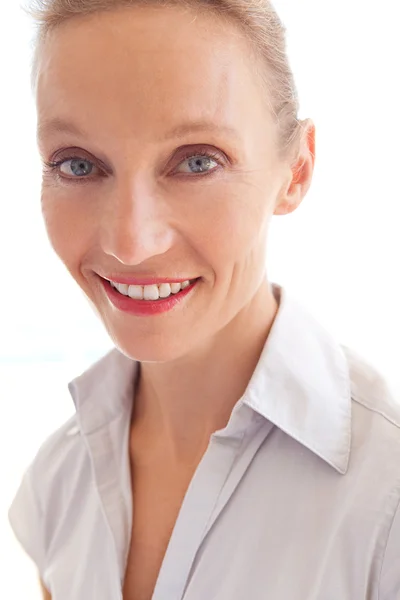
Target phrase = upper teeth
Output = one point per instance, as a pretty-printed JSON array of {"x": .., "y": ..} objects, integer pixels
[{"x": 150, "y": 292}]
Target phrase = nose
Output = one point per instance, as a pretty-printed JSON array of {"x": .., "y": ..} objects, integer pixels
[{"x": 134, "y": 223}]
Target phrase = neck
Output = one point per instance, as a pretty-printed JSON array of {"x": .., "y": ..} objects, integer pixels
[{"x": 179, "y": 404}]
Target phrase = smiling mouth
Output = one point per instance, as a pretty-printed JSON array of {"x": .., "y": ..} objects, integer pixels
[{"x": 151, "y": 292}]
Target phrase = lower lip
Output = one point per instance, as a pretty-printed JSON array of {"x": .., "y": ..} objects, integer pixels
[{"x": 145, "y": 307}]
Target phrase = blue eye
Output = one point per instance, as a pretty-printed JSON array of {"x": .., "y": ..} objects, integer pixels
[
  {"x": 76, "y": 167},
  {"x": 198, "y": 164}
]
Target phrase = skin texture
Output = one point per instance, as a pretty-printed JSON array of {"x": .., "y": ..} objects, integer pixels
[{"x": 141, "y": 89}]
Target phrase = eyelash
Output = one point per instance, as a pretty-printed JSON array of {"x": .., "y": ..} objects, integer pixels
[
  {"x": 214, "y": 155},
  {"x": 54, "y": 166}
]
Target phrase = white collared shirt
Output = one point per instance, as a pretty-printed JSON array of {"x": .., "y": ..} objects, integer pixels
[{"x": 297, "y": 498}]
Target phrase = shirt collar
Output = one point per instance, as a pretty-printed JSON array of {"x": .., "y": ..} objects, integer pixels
[
  {"x": 105, "y": 390},
  {"x": 301, "y": 384}
]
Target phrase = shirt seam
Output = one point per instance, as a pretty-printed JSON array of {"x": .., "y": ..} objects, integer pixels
[
  {"x": 387, "y": 544},
  {"x": 43, "y": 553},
  {"x": 362, "y": 402}
]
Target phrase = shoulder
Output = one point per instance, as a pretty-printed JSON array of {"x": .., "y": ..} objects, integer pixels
[
  {"x": 376, "y": 445},
  {"x": 375, "y": 429},
  {"x": 62, "y": 467},
  {"x": 42, "y": 485},
  {"x": 370, "y": 391},
  {"x": 375, "y": 421},
  {"x": 62, "y": 461},
  {"x": 390, "y": 574},
  {"x": 58, "y": 471}
]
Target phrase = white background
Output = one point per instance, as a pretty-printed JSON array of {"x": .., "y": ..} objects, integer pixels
[{"x": 338, "y": 253}]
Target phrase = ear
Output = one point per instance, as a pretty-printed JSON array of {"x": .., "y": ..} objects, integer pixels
[{"x": 301, "y": 172}]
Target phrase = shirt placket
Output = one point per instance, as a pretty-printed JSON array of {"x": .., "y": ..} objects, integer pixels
[{"x": 217, "y": 476}]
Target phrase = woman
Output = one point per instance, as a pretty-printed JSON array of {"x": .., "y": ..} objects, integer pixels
[{"x": 228, "y": 448}]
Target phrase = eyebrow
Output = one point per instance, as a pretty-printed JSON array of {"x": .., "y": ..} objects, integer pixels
[
  {"x": 49, "y": 127},
  {"x": 200, "y": 127},
  {"x": 56, "y": 125}
]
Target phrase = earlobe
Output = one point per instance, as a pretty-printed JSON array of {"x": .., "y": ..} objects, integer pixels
[
  {"x": 300, "y": 175},
  {"x": 289, "y": 198},
  {"x": 280, "y": 210},
  {"x": 285, "y": 207}
]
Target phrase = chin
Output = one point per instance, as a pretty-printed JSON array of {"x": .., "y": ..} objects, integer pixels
[{"x": 149, "y": 348}]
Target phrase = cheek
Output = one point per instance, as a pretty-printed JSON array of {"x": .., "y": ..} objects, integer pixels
[
  {"x": 232, "y": 224},
  {"x": 68, "y": 227}
]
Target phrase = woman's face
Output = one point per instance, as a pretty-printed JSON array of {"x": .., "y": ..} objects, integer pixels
[{"x": 164, "y": 167}]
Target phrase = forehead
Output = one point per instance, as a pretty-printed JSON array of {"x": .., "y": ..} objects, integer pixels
[{"x": 151, "y": 69}]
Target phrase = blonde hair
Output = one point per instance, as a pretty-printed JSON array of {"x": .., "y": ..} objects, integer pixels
[{"x": 257, "y": 19}]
